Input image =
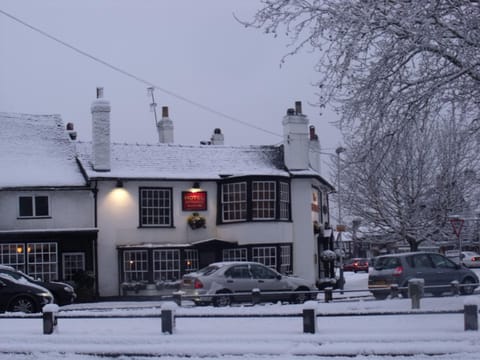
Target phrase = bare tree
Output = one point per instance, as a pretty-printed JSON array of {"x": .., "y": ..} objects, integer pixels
[
  {"x": 388, "y": 63},
  {"x": 407, "y": 189},
  {"x": 405, "y": 78}
]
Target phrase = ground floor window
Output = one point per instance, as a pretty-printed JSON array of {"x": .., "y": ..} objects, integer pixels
[
  {"x": 191, "y": 260},
  {"x": 166, "y": 264},
  {"x": 135, "y": 265},
  {"x": 13, "y": 255},
  {"x": 266, "y": 255},
  {"x": 239, "y": 254},
  {"x": 73, "y": 263},
  {"x": 42, "y": 261},
  {"x": 286, "y": 259}
]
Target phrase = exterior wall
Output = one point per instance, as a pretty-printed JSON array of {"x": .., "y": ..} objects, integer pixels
[
  {"x": 118, "y": 222},
  {"x": 69, "y": 209},
  {"x": 305, "y": 252}
]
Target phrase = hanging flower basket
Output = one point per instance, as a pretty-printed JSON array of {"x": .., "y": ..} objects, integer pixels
[{"x": 196, "y": 221}]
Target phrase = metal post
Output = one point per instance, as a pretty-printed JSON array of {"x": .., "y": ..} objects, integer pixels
[
  {"x": 328, "y": 294},
  {"x": 338, "y": 151},
  {"x": 168, "y": 321},
  {"x": 415, "y": 291}
]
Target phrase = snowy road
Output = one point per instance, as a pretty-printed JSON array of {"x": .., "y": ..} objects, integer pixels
[{"x": 398, "y": 337}]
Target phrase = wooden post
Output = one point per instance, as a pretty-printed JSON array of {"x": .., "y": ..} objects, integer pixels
[
  {"x": 470, "y": 313},
  {"x": 328, "y": 294},
  {"x": 415, "y": 291},
  {"x": 309, "y": 321},
  {"x": 49, "y": 318}
]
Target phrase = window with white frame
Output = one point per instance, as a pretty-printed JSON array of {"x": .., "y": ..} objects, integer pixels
[
  {"x": 42, "y": 261},
  {"x": 284, "y": 201},
  {"x": 191, "y": 260},
  {"x": 263, "y": 200},
  {"x": 234, "y": 201},
  {"x": 266, "y": 255},
  {"x": 285, "y": 259},
  {"x": 33, "y": 206},
  {"x": 13, "y": 254},
  {"x": 166, "y": 265},
  {"x": 238, "y": 254},
  {"x": 155, "y": 207},
  {"x": 72, "y": 263},
  {"x": 135, "y": 265}
]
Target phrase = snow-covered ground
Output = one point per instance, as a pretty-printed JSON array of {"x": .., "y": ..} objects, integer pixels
[{"x": 417, "y": 336}]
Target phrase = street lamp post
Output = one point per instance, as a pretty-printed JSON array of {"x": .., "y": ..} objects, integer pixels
[{"x": 340, "y": 226}]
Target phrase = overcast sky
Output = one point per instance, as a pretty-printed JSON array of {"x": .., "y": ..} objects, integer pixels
[{"x": 194, "y": 49}]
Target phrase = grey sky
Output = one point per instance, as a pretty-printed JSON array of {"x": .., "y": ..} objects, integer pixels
[{"x": 193, "y": 48}]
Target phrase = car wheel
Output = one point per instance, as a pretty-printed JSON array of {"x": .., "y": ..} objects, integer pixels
[
  {"x": 223, "y": 298},
  {"x": 380, "y": 295},
  {"x": 300, "y": 296},
  {"x": 469, "y": 287},
  {"x": 22, "y": 304}
]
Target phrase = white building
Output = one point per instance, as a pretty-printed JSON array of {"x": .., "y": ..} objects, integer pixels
[
  {"x": 251, "y": 202},
  {"x": 47, "y": 224},
  {"x": 137, "y": 217}
]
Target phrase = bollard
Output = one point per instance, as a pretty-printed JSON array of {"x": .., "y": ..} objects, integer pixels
[
  {"x": 177, "y": 298},
  {"x": 394, "y": 291},
  {"x": 49, "y": 318},
  {"x": 310, "y": 320},
  {"x": 455, "y": 287},
  {"x": 168, "y": 317},
  {"x": 415, "y": 291},
  {"x": 328, "y": 294},
  {"x": 256, "y": 296},
  {"x": 470, "y": 314}
]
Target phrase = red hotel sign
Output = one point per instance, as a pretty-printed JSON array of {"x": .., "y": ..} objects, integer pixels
[{"x": 194, "y": 201}]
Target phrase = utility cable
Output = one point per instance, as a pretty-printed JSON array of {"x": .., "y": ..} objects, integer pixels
[{"x": 137, "y": 78}]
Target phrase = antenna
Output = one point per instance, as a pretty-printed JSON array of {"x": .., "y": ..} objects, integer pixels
[{"x": 153, "y": 104}]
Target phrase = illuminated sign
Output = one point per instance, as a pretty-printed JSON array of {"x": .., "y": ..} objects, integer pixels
[{"x": 194, "y": 201}]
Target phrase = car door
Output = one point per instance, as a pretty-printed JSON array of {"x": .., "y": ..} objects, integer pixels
[
  {"x": 238, "y": 279},
  {"x": 446, "y": 270},
  {"x": 268, "y": 280},
  {"x": 424, "y": 269}
]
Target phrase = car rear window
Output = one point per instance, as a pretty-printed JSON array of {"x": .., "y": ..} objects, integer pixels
[
  {"x": 386, "y": 263},
  {"x": 208, "y": 270}
]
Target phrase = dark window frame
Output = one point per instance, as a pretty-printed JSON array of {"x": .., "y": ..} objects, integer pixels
[
  {"x": 280, "y": 199},
  {"x": 38, "y": 206}
]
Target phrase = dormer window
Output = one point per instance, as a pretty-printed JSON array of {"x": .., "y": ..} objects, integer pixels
[{"x": 34, "y": 206}]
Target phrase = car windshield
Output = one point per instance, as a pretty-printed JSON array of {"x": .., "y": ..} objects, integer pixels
[{"x": 386, "y": 263}]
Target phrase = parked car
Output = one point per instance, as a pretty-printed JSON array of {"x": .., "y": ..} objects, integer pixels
[
  {"x": 21, "y": 295},
  {"x": 469, "y": 258},
  {"x": 63, "y": 293},
  {"x": 437, "y": 270},
  {"x": 227, "y": 280},
  {"x": 356, "y": 264}
]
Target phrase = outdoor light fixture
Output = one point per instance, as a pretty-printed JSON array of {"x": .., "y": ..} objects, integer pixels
[
  {"x": 196, "y": 185},
  {"x": 119, "y": 184}
]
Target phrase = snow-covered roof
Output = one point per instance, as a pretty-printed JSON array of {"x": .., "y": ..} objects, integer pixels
[
  {"x": 169, "y": 161},
  {"x": 36, "y": 151}
]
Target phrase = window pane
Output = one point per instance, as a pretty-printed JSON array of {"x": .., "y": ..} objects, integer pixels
[
  {"x": 25, "y": 206},
  {"x": 263, "y": 200},
  {"x": 41, "y": 205},
  {"x": 234, "y": 203}
]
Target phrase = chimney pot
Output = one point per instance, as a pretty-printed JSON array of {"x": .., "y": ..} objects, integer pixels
[
  {"x": 69, "y": 126},
  {"x": 99, "y": 92},
  {"x": 217, "y": 131},
  {"x": 164, "y": 111},
  {"x": 290, "y": 111},
  {"x": 298, "y": 107},
  {"x": 312, "y": 132}
]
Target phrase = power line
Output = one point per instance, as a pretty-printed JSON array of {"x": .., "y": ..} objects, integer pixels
[{"x": 137, "y": 78}]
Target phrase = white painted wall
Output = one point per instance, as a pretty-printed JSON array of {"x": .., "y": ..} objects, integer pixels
[{"x": 69, "y": 209}]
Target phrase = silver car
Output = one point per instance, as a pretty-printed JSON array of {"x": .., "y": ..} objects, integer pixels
[
  {"x": 234, "y": 281},
  {"x": 437, "y": 271}
]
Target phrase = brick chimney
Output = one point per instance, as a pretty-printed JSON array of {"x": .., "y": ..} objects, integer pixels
[
  {"x": 295, "y": 139},
  {"x": 100, "y": 109},
  {"x": 165, "y": 128}
]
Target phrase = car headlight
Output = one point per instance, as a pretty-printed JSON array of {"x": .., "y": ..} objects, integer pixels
[{"x": 47, "y": 297}]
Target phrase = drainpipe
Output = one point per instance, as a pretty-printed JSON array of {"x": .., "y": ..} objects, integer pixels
[{"x": 95, "y": 243}]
